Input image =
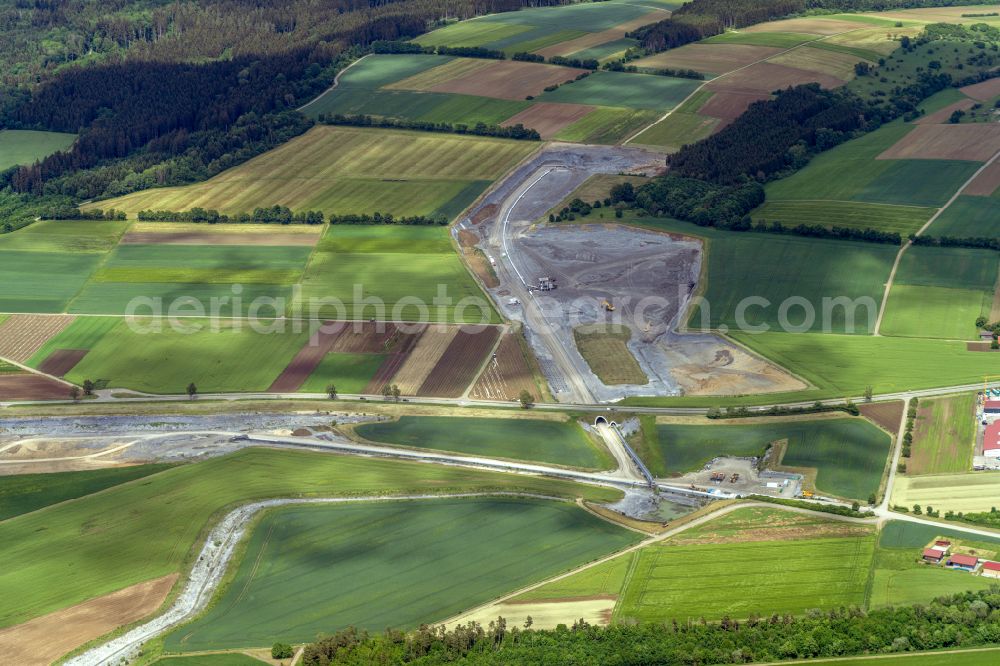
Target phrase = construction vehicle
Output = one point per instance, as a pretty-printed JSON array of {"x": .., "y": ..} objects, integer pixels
[
  {"x": 718, "y": 477},
  {"x": 734, "y": 478},
  {"x": 606, "y": 304},
  {"x": 807, "y": 494}
]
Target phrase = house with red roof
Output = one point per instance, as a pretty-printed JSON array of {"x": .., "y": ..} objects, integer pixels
[
  {"x": 991, "y": 440},
  {"x": 991, "y": 569},
  {"x": 964, "y": 562},
  {"x": 933, "y": 555}
]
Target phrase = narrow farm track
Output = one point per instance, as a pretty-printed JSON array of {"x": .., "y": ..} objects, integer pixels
[
  {"x": 336, "y": 82},
  {"x": 920, "y": 232}
]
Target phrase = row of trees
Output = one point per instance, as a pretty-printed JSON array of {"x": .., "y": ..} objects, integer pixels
[
  {"x": 964, "y": 620},
  {"x": 517, "y": 131},
  {"x": 983, "y": 242},
  {"x": 260, "y": 215}
]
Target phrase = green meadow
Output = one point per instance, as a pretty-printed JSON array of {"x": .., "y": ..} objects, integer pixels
[
  {"x": 149, "y": 528},
  {"x": 27, "y": 146},
  {"x": 556, "y": 442},
  {"x": 459, "y": 553}
]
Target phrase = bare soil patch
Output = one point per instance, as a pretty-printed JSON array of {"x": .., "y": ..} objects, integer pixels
[
  {"x": 31, "y": 387},
  {"x": 507, "y": 375},
  {"x": 729, "y": 105},
  {"x": 61, "y": 361},
  {"x": 365, "y": 338},
  {"x": 545, "y": 614},
  {"x": 549, "y": 117},
  {"x": 710, "y": 58},
  {"x": 484, "y": 213},
  {"x": 43, "y": 640},
  {"x": 399, "y": 350},
  {"x": 711, "y": 365},
  {"x": 813, "y": 26},
  {"x": 460, "y": 363},
  {"x": 942, "y": 115},
  {"x": 23, "y": 335},
  {"x": 787, "y": 533},
  {"x": 983, "y": 91},
  {"x": 426, "y": 354},
  {"x": 508, "y": 79},
  {"x": 977, "y": 142},
  {"x": 768, "y": 76},
  {"x": 299, "y": 368},
  {"x": 216, "y": 238},
  {"x": 986, "y": 183},
  {"x": 980, "y": 346},
  {"x": 886, "y": 415}
]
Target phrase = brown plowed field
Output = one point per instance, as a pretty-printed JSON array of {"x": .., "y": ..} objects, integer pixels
[
  {"x": 43, "y": 640},
  {"x": 31, "y": 387},
  {"x": 508, "y": 79},
  {"x": 730, "y": 105},
  {"x": 61, "y": 361},
  {"x": 401, "y": 350},
  {"x": 460, "y": 363},
  {"x": 977, "y": 142},
  {"x": 215, "y": 238},
  {"x": 364, "y": 337},
  {"x": 942, "y": 115},
  {"x": 23, "y": 335},
  {"x": 428, "y": 351},
  {"x": 548, "y": 117},
  {"x": 508, "y": 376},
  {"x": 983, "y": 91},
  {"x": 709, "y": 58},
  {"x": 810, "y": 26},
  {"x": 305, "y": 362},
  {"x": 767, "y": 77},
  {"x": 986, "y": 183},
  {"x": 887, "y": 415}
]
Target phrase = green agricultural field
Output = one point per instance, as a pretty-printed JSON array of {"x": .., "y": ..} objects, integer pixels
[
  {"x": 944, "y": 435},
  {"x": 471, "y": 33},
  {"x": 781, "y": 40},
  {"x": 460, "y": 553},
  {"x": 65, "y": 236},
  {"x": 42, "y": 281},
  {"x": 843, "y": 365},
  {"x": 903, "y": 220},
  {"x": 558, "y": 442},
  {"x": 677, "y": 130},
  {"x": 975, "y": 657},
  {"x": 606, "y": 51},
  {"x": 361, "y": 90},
  {"x": 742, "y": 579},
  {"x": 204, "y": 264},
  {"x": 354, "y": 263},
  {"x": 82, "y": 333},
  {"x": 350, "y": 373},
  {"x": 233, "y": 358},
  {"x": 969, "y": 217},
  {"x": 850, "y": 172},
  {"x": 28, "y": 146},
  {"x": 139, "y": 531},
  {"x": 634, "y": 91},
  {"x": 897, "y": 534},
  {"x": 220, "y": 659},
  {"x": 116, "y": 297},
  {"x": 24, "y": 493},
  {"x": 607, "y": 125},
  {"x": 780, "y": 268},
  {"x": 605, "y": 579},
  {"x": 938, "y": 292},
  {"x": 849, "y": 454},
  {"x": 348, "y": 170}
]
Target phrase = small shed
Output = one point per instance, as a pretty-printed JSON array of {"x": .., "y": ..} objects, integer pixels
[
  {"x": 933, "y": 555},
  {"x": 964, "y": 562}
]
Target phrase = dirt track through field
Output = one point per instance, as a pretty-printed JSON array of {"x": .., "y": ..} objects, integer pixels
[
  {"x": 43, "y": 640},
  {"x": 23, "y": 335}
]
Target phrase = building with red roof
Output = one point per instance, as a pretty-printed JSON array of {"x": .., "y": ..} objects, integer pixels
[
  {"x": 992, "y": 407},
  {"x": 991, "y": 569},
  {"x": 966, "y": 562},
  {"x": 943, "y": 544},
  {"x": 933, "y": 555},
  {"x": 991, "y": 440}
]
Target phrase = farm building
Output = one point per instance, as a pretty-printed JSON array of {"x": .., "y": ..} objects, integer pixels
[
  {"x": 991, "y": 407},
  {"x": 964, "y": 562},
  {"x": 991, "y": 569},
  {"x": 933, "y": 555},
  {"x": 943, "y": 545},
  {"x": 991, "y": 440}
]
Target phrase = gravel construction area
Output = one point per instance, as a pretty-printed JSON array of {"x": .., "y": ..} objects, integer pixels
[{"x": 647, "y": 276}]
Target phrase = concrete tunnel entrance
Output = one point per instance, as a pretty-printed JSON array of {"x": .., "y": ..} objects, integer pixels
[{"x": 600, "y": 420}]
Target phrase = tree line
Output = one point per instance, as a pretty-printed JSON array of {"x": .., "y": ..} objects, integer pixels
[
  {"x": 517, "y": 131},
  {"x": 986, "y": 243},
  {"x": 262, "y": 215},
  {"x": 963, "y": 620}
]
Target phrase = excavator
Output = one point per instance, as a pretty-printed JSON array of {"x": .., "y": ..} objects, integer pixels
[{"x": 606, "y": 304}]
